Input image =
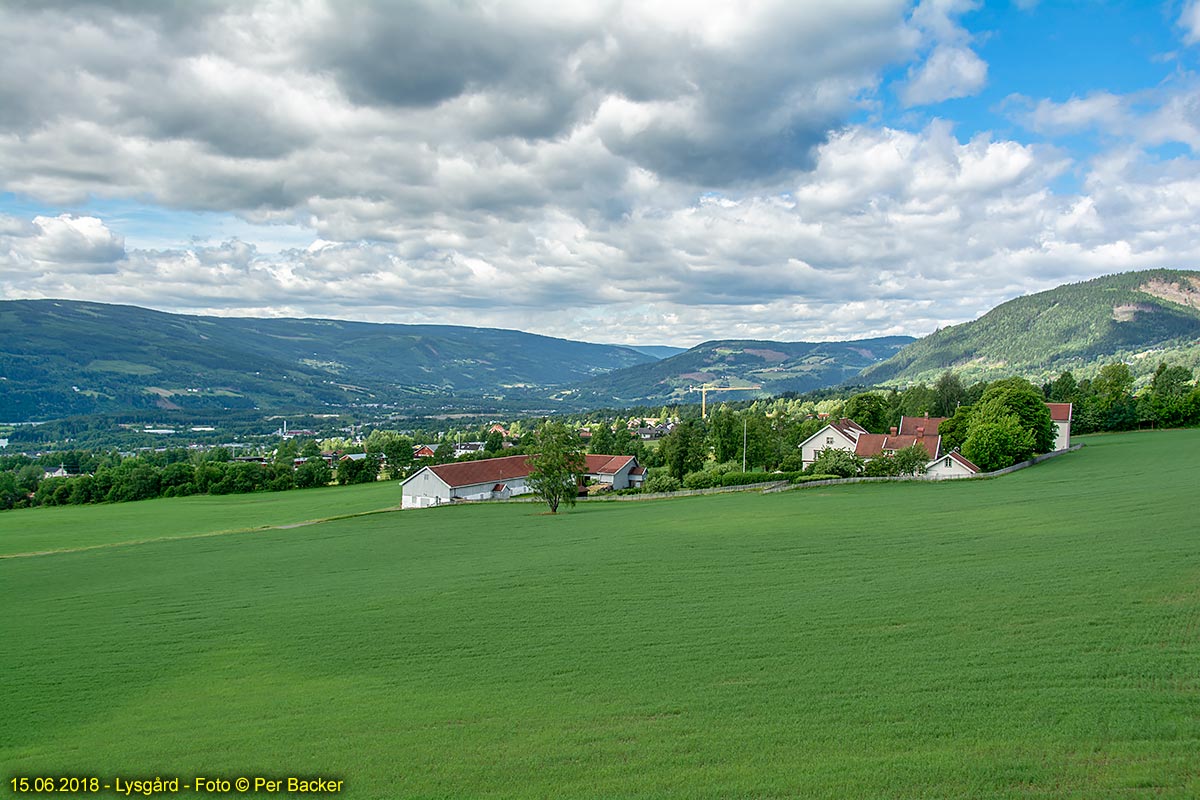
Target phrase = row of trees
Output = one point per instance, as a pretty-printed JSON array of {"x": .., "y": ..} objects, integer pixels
[{"x": 993, "y": 424}]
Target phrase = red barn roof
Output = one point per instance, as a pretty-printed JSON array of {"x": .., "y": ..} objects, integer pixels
[
  {"x": 911, "y": 426},
  {"x": 1060, "y": 412},
  {"x": 499, "y": 470},
  {"x": 871, "y": 445}
]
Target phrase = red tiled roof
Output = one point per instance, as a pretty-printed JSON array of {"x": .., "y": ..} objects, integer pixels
[
  {"x": 605, "y": 465},
  {"x": 960, "y": 458},
  {"x": 849, "y": 427},
  {"x": 506, "y": 468},
  {"x": 499, "y": 487},
  {"x": 638, "y": 471},
  {"x": 1060, "y": 412},
  {"x": 909, "y": 425},
  {"x": 488, "y": 470},
  {"x": 871, "y": 445}
]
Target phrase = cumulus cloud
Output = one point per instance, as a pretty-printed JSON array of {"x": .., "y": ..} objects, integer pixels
[
  {"x": 949, "y": 72},
  {"x": 1168, "y": 113},
  {"x": 64, "y": 246},
  {"x": 891, "y": 232}
]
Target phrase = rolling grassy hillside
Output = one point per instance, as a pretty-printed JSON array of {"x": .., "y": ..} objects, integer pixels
[
  {"x": 775, "y": 366},
  {"x": 60, "y": 358},
  {"x": 1138, "y": 317},
  {"x": 51, "y": 528},
  {"x": 1028, "y": 636}
]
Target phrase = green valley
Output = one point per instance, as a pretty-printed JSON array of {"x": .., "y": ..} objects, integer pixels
[{"x": 1027, "y": 636}]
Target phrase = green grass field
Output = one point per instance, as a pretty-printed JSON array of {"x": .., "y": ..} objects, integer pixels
[
  {"x": 1032, "y": 636},
  {"x": 38, "y": 530}
]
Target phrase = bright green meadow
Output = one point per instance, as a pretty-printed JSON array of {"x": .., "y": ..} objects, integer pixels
[
  {"x": 38, "y": 530},
  {"x": 1031, "y": 636}
]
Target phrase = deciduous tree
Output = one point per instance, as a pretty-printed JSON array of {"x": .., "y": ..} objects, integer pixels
[{"x": 557, "y": 465}]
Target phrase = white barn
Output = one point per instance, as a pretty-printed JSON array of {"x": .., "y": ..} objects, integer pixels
[{"x": 502, "y": 478}]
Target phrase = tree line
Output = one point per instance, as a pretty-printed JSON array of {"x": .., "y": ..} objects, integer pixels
[{"x": 993, "y": 424}]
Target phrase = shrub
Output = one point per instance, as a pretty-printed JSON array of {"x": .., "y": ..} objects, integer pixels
[
  {"x": 704, "y": 479},
  {"x": 663, "y": 483},
  {"x": 815, "y": 477},
  {"x": 836, "y": 462},
  {"x": 744, "y": 478}
]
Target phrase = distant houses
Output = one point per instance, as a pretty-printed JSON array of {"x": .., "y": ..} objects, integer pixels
[
  {"x": 846, "y": 434},
  {"x": 502, "y": 478}
]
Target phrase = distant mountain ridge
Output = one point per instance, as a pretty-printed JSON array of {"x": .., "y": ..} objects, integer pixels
[
  {"x": 60, "y": 357},
  {"x": 1136, "y": 317},
  {"x": 63, "y": 358},
  {"x": 774, "y": 366}
]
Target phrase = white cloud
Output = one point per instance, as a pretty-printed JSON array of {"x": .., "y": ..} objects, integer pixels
[
  {"x": 949, "y": 72},
  {"x": 622, "y": 171},
  {"x": 1189, "y": 20},
  {"x": 891, "y": 232},
  {"x": 1168, "y": 113}
]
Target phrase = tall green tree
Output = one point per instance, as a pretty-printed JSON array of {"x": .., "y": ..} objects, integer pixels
[
  {"x": 603, "y": 440},
  {"x": 954, "y": 429},
  {"x": 724, "y": 434},
  {"x": 683, "y": 450},
  {"x": 1114, "y": 405},
  {"x": 948, "y": 395},
  {"x": 997, "y": 439},
  {"x": 557, "y": 465},
  {"x": 1021, "y": 398},
  {"x": 1064, "y": 389},
  {"x": 869, "y": 410},
  {"x": 312, "y": 473},
  {"x": 1166, "y": 401}
]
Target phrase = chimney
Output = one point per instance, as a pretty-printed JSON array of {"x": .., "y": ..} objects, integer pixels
[
  {"x": 893, "y": 431},
  {"x": 921, "y": 432}
]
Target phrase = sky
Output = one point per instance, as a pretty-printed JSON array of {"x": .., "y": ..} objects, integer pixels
[{"x": 625, "y": 172}]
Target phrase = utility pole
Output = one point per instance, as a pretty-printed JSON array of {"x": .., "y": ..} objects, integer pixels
[{"x": 744, "y": 421}]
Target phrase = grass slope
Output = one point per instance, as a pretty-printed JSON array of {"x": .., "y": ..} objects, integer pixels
[
  {"x": 63, "y": 357},
  {"x": 775, "y": 366},
  {"x": 1138, "y": 317},
  {"x": 1030, "y": 636},
  {"x": 37, "y": 530}
]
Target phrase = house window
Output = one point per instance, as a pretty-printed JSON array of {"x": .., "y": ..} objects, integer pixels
[
  {"x": 829, "y": 440},
  {"x": 947, "y": 461}
]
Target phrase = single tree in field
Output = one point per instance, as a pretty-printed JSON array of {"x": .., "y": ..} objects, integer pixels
[{"x": 557, "y": 464}]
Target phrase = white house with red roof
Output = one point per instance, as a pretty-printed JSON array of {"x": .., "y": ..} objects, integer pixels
[
  {"x": 846, "y": 434},
  {"x": 502, "y": 478},
  {"x": 952, "y": 465},
  {"x": 1061, "y": 414},
  {"x": 840, "y": 435}
]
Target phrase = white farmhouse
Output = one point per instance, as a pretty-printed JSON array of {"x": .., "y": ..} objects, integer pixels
[{"x": 840, "y": 435}]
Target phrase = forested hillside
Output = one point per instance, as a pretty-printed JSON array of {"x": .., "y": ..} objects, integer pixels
[
  {"x": 775, "y": 366},
  {"x": 1138, "y": 317},
  {"x": 60, "y": 358}
]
